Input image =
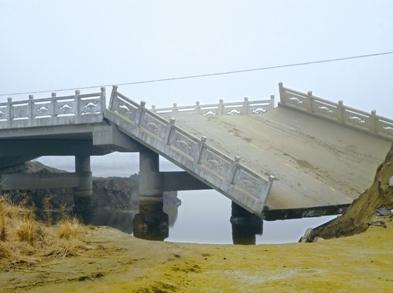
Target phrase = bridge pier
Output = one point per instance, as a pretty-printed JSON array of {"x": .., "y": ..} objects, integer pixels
[
  {"x": 245, "y": 225},
  {"x": 151, "y": 222},
  {"x": 84, "y": 191}
]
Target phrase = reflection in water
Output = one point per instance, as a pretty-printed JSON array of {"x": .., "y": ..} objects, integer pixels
[
  {"x": 244, "y": 226},
  {"x": 152, "y": 220}
]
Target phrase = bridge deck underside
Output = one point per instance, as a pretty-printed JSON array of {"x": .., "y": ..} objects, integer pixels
[{"x": 316, "y": 162}]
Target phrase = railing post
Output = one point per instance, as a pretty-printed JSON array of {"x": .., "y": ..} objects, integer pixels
[
  {"x": 174, "y": 109},
  {"x": 282, "y": 94},
  {"x": 10, "y": 112},
  {"x": 221, "y": 107},
  {"x": 235, "y": 167},
  {"x": 113, "y": 96},
  {"x": 271, "y": 102},
  {"x": 54, "y": 101},
  {"x": 141, "y": 112},
  {"x": 373, "y": 122},
  {"x": 246, "y": 106},
  {"x": 200, "y": 150},
  {"x": 197, "y": 107},
  {"x": 78, "y": 106},
  {"x": 103, "y": 99},
  {"x": 31, "y": 110},
  {"x": 171, "y": 125},
  {"x": 341, "y": 112},
  {"x": 153, "y": 109},
  {"x": 310, "y": 106}
]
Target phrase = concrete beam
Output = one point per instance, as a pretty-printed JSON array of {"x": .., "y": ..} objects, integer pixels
[
  {"x": 76, "y": 131},
  {"x": 49, "y": 147},
  {"x": 176, "y": 181},
  {"x": 110, "y": 137},
  {"x": 38, "y": 181},
  {"x": 13, "y": 161}
]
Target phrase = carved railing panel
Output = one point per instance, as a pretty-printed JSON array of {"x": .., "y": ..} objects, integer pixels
[
  {"x": 227, "y": 175},
  {"x": 245, "y": 107},
  {"x": 369, "y": 122},
  {"x": 75, "y": 109}
]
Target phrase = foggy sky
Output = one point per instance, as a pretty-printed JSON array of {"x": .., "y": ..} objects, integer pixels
[{"x": 48, "y": 44}]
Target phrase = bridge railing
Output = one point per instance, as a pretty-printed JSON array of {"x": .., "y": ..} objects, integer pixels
[
  {"x": 337, "y": 112},
  {"x": 245, "y": 107},
  {"x": 72, "y": 109},
  {"x": 195, "y": 155}
]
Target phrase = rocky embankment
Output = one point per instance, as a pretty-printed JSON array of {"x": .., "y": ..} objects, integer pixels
[
  {"x": 360, "y": 215},
  {"x": 110, "y": 192}
]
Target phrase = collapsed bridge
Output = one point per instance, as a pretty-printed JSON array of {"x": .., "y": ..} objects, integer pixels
[{"x": 308, "y": 156}]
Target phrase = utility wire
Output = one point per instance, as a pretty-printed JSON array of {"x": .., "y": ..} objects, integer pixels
[{"x": 208, "y": 74}]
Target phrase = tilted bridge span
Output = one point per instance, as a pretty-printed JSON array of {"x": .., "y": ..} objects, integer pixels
[{"x": 306, "y": 157}]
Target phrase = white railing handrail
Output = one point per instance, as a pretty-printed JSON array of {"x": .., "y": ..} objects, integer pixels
[
  {"x": 56, "y": 110},
  {"x": 192, "y": 153},
  {"x": 337, "y": 112},
  {"x": 244, "y": 107}
]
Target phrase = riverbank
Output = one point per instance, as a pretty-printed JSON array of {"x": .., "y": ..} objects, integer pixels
[{"x": 116, "y": 262}]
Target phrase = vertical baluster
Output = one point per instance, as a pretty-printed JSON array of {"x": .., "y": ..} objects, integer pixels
[
  {"x": 197, "y": 107},
  {"x": 174, "y": 109},
  {"x": 310, "y": 106},
  {"x": 54, "y": 105},
  {"x": 10, "y": 112},
  {"x": 373, "y": 122},
  {"x": 31, "y": 110},
  {"x": 171, "y": 126},
  {"x": 246, "y": 106},
  {"x": 234, "y": 169},
  {"x": 103, "y": 100},
  {"x": 202, "y": 145},
  {"x": 221, "y": 107},
  {"x": 341, "y": 112},
  {"x": 78, "y": 114},
  {"x": 282, "y": 94},
  {"x": 141, "y": 112},
  {"x": 271, "y": 106},
  {"x": 113, "y": 97}
]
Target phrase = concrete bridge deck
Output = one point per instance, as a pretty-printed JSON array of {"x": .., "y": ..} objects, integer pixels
[
  {"x": 316, "y": 163},
  {"x": 308, "y": 153}
]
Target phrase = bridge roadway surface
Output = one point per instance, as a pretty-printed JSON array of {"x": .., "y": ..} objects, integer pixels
[
  {"x": 315, "y": 162},
  {"x": 306, "y": 154}
]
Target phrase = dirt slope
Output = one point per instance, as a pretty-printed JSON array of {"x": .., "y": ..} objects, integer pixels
[{"x": 358, "y": 217}]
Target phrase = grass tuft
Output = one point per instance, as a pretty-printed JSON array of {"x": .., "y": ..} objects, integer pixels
[{"x": 70, "y": 229}]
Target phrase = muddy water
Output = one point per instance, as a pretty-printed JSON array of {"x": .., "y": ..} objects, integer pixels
[{"x": 195, "y": 216}]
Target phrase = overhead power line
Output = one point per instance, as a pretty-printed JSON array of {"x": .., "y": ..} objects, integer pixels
[{"x": 211, "y": 74}]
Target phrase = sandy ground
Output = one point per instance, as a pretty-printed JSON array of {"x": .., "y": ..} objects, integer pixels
[{"x": 120, "y": 263}]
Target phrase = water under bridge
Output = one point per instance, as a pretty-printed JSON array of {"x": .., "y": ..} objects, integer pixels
[{"x": 306, "y": 157}]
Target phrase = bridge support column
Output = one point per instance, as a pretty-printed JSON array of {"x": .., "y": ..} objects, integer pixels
[
  {"x": 84, "y": 191},
  {"x": 151, "y": 222},
  {"x": 245, "y": 225}
]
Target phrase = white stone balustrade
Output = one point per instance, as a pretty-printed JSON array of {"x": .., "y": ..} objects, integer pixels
[{"x": 337, "y": 112}]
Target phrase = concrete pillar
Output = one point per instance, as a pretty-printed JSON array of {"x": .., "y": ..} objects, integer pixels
[
  {"x": 244, "y": 225},
  {"x": 83, "y": 171},
  {"x": 151, "y": 222},
  {"x": 150, "y": 187},
  {"x": 84, "y": 191}
]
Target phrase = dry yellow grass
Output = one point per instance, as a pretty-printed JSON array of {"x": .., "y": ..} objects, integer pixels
[
  {"x": 70, "y": 229},
  {"x": 24, "y": 238}
]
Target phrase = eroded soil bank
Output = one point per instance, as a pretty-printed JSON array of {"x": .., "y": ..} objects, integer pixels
[{"x": 117, "y": 262}]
